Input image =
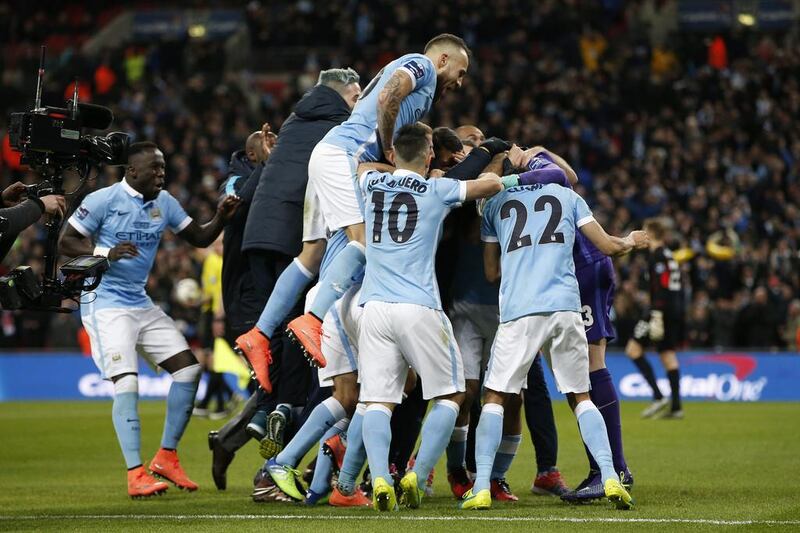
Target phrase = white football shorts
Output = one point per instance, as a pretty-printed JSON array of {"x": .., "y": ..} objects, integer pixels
[
  {"x": 395, "y": 336},
  {"x": 475, "y": 326},
  {"x": 313, "y": 222},
  {"x": 562, "y": 339},
  {"x": 332, "y": 173},
  {"x": 119, "y": 335}
]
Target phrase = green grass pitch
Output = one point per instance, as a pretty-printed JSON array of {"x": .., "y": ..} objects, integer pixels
[{"x": 725, "y": 467}]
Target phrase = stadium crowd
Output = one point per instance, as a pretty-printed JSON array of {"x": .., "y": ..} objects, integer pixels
[{"x": 699, "y": 131}]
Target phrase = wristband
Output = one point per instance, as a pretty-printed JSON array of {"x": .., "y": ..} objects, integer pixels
[
  {"x": 101, "y": 251},
  {"x": 512, "y": 180}
]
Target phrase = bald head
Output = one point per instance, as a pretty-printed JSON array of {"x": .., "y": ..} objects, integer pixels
[
  {"x": 471, "y": 133},
  {"x": 256, "y": 148}
]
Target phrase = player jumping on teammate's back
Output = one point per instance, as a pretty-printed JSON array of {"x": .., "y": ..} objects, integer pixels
[
  {"x": 532, "y": 229},
  {"x": 126, "y": 221},
  {"x": 402, "y": 93},
  {"x": 664, "y": 327},
  {"x": 403, "y": 323}
]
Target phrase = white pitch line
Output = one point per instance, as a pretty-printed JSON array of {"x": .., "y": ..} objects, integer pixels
[{"x": 706, "y": 521}]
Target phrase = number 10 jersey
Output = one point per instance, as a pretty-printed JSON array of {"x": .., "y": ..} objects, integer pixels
[
  {"x": 404, "y": 213},
  {"x": 535, "y": 226}
]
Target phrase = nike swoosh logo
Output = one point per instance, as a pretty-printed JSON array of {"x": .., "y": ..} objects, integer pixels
[{"x": 121, "y": 213}]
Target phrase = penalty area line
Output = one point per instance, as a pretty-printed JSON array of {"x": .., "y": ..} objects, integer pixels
[{"x": 540, "y": 519}]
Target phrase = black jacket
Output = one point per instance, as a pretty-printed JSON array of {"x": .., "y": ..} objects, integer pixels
[
  {"x": 275, "y": 221},
  {"x": 242, "y": 304}
]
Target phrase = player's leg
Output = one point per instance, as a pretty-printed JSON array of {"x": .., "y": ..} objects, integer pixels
[
  {"x": 507, "y": 451},
  {"x": 542, "y": 427},
  {"x": 635, "y": 351},
  {"x": 346, "y": 493},
  {"x": 669, "y": 359},
  {"x": 567, "y": 350},
  {"x": 383, "y": 374},
  {"x": 426, "y": 339},
  {"x": 283, "y": 296},
  {"x": 160, "y": 341},
  {"x": 513, "y": 351},
  {"x": 470, "y": 342},
  {"x": 332, "y": 173}
]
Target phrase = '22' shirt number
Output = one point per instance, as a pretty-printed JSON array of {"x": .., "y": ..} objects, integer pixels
[
  {"x": 549, "y": 236},
  {"x": 403, "y": 199}
]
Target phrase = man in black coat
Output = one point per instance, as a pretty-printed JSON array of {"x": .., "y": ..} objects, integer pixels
[{"x": 272, "y": 236}]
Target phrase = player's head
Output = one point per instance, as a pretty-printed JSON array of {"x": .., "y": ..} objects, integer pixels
[
  {"x": 413, "y": 147},
  {"x": 146, "y": 169},
  {"x": 473, "y": 133},
  {"x": 450, "y": 55},
  {"x": 256, "y": 148},
  {"x": 656, "y": 231},
  {"x": 445, "y": 145},
  {"x": 344, "y": 81}
]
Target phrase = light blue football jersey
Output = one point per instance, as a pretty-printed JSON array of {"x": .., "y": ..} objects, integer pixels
[
  {"x": 404, "y": 213},
  {"x": 535, "y": 226},
  {"x": 358, "y": 135},
  {"x": 118, "y": 213}
]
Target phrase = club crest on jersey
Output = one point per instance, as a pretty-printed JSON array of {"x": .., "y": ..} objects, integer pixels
[{"x": 155, "y": 213}]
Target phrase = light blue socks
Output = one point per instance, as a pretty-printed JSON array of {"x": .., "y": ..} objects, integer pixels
[
  {"x": 321, "y": 419},
  {"x": 290, "y": 285},
  {"x": 180, "y": 401},
  {"x": 487, "y": 440},
  {"x": 339, "y": 276},
  {"x": 125, "y": 414},
  {"x": 377, "y": 432},
  {"x": 436, "y": 432},
  {"x": 595, "y": 436}
]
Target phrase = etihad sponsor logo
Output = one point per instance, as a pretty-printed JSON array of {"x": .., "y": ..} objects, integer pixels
[
  {"x": 94, "y": 386},
  {"x": 721, "y": 386}
]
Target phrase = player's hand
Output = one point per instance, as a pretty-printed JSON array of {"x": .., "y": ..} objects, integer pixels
[
  {"x": 639, "y": 238},
  {"x": 54, "y": 205},
  {"x": 656, "y": 326},
  {"x": 228, "y": 206},
  {"x": 123, "y": 250},
  {"x": 459, "y": 156},
  {"x": 14, "y": 194},
  {"x": 494, "y": 146},
  {"x": 517, "y": 157},
  {"x": 436, "y": 173}
]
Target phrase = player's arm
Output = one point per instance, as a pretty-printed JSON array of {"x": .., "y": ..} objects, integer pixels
[
  {"x": 487, "y": 184},
  {"x": 377, "y": 167},
  {"x": 609, "y": 244},
  {"x": 559, "y": 161},
  {"x": 391, "y": 96},
  {"x": 203, "y": 235},
  {"x": 491, "y": 261}
]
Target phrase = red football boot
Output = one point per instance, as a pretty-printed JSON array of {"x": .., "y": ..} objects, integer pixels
[
  {"x": 307, "y": 331},
  {"x": 501, "y": 491},
  {"x": 357, "y": 499},
  {"x": 253, "y": 346},
  {"x": 549, "y": 483},
  {"x": 166, "y": 465},
  {"x": 459, "y": 482}
]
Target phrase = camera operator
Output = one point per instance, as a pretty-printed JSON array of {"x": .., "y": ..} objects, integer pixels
[{"x": 19, "y": 212}]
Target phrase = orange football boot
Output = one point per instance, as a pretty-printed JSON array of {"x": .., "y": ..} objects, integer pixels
[
  {"x": 335, "y": 448},
  {"x": 166, "y": 465},
  {"x": 357, "y": 499},
  {"x": 141, "y": 484},
  {"x": 307, "y": 331},
  {"x": 253, "y": 346}
]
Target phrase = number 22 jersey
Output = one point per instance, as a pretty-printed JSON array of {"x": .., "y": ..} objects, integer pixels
[
  {"x": 535, "y": 226},
  {"x": 404, "y": 213}
]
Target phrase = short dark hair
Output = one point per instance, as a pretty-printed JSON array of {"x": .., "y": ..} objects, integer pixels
[
  {"x": 449, "y": 38},
  {"x": 656, "y": 228},
  {"x": 411, "y": 141},
  {"x": 141, "y": 146},
  {"x": 446, "y": 138}
]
